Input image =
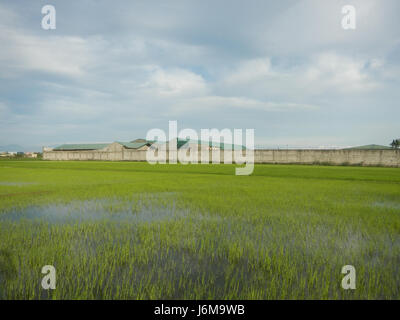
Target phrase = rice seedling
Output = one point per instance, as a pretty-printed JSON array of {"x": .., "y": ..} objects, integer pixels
[{"x": 136, "y": 231}]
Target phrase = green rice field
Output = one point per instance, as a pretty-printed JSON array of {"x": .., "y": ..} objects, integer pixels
[{"x": 125, "y": 230}]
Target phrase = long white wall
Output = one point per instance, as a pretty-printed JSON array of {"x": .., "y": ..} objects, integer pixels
[{"x": 352, "y": 157}]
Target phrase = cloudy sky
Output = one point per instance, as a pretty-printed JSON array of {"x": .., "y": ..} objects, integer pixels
[{"x": 112, "y": 70}]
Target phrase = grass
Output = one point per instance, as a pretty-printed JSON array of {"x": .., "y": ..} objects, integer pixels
[{"x": 128, "y": 230}]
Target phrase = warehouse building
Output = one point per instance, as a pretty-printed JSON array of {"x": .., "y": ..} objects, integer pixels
[
  {"x": 136, "y": 151},
  {"x": 121, "y": 151},
  {"x": 116, "y": 151}
]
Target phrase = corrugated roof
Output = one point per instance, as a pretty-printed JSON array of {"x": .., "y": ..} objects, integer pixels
[
  {"x": 370, "y": 147},
  {"x": 138, "y": 140},
  {"x": 137, "y": 145},
  {"x": 223, "y": 146},
  {"x": 87, "y": 146},
  {"x": 133, "y": 145}
]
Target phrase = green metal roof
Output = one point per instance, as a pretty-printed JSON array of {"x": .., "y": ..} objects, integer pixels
[
  {"x": 87, "y": 146},
  {"x": 370, "y": 147},
  {"x": 223, "y": 146},
  {"x": 132, "y": 145},
  {"x": 139, "y": 140},
  {"x": 137, "y": 145}
]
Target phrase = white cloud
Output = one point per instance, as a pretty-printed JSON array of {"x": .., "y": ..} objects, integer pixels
[
  {"x": 22, "y": 51},
  {"x": 313, "y": 25},
  {"x": 321, "y": 74},
  {"x": 286, "y": 65},
  {"x": 69, "y": 108},
  {"x": 3, "y": 110},
  {"x": 214, "y": 103},
  {"x": 175, "y": 82},
  {"x": 250, "y": 70},
  {"x": 330, "y": 71}
]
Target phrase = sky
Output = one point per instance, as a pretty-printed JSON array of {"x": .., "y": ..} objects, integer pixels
[{"x": 113, "y": 70}]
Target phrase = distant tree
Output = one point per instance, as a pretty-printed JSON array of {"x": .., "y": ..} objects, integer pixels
[{"x": 395, "y": 144}]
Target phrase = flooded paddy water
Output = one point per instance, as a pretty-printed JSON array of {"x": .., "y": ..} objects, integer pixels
[
  {"x": 92, "y": 210},
  {"x": 114, "y": 243},
  {"x": 151, "y": 246}
]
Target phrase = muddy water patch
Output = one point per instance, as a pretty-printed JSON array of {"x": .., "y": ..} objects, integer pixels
[{"x": 95, "y": 210}]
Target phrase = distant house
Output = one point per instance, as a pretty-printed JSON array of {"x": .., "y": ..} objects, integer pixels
[{"x": 31, "y": 155}]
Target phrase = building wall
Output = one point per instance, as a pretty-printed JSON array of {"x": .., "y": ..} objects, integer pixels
[{"x": 350, "y": 157}]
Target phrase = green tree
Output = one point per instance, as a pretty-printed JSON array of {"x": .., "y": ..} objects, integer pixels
[{"x": 395, "y": 144}]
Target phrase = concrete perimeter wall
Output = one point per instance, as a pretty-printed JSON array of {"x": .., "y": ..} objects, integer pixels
[{"x": 390, "y": 158}]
